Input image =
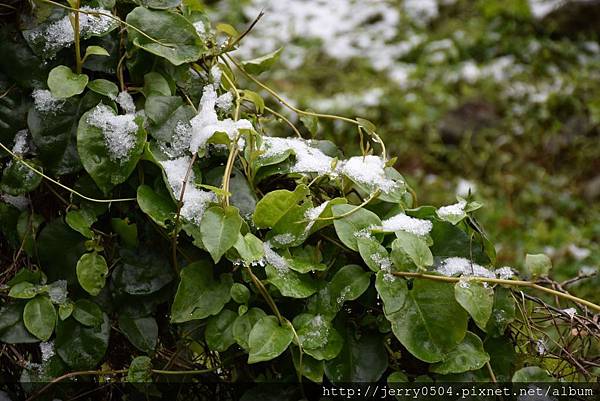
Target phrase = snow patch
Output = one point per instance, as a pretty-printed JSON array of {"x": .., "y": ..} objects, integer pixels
[
  {"x": 402, "y": 222},
  {"x": 118, "y": 130},
  {"x": 195, "y": 200}
]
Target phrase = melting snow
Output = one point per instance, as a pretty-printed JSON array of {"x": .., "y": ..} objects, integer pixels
[
  {"x": 461, "y": 266},
  {"x": 206, "y": 123},
  {"x": 452, "y": 210},
  {"x": 274, "y": 259},
  {"x": 308, "y": 159},
  {"x": 119, "y": 131},
  {"x": 59, "y": 33},
  {"x": 47, "y": 349},
  {"x": 195, "y": 200},
  {"x": 21, "y": 145},
  {"x": 125, "y": 100},
  {"x": 370, "y": 171},
  {"x": 44, "y": 102},
  {"x": 505, "y": 273},
  {"x": 402, "y": 222},
  {"x": 20, "y": 202}
]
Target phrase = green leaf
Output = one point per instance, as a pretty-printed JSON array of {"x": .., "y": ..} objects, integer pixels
[
  {"x": 477, "y": 299},
  {"x": 426, "y": 319},
  {"x": 311, "y": 123},
  {"x": 263, "y": 63},
  {"x": 347, "y": 227},
  {"x": 54, "y": 132},
  {"x": 372, "y": 252},
  {"x": 348, "y": 283},
  {"x": 362, "y": 359},
  {"x": 268, "y": 339},
  {"x": 81, "y": 347},
  {"x": 177, "y": 38},
  {"x": 532, "y": 374},
  {"x": 39, "y": 317},
  {"x": 155, "y": 83},
  {"x": 415, "y": 247},
  {"x": 240, "y": 293},
  {"x": 142, "y": 332},
  {"x": 12, "y": 329},
  {"x": 290, "y": 283},
  {"x": 65, "y": 310},
  {"x": 91, "y": 272},
  {"x": 317, "y": 336},
  {"x": 140, "y": 370},
  {"x": 106, "y": 167},
  {"x": 159, "y": 208},
  {"x": 220, "y": 229},
  {"x": 275, "y": 205},
  {"x": 81, "y": 220},
  {"x": 87, "y": 313},
  {"x": 104, "y": 87},
  {"x": 59, "y": 250},
  {"x": 142, "y": 272},
  {"x": 18, "y": 179},
  {"x": 95, "y": 51},
  {"x": 227, "y": 29},
  {"x": 64, "y": 83},
  {"x": 199, "y": 295},
  {"x": 24, "y": 290},
  {"x": 160, "y": 108},
  {"x": 127, "y": 231},
  {"x": 537, "y": 265},
  {"x": 249, "y": 247},
  {"x": 256, "y": 99},
  {"x": 468, "y": 355},
  {"x": 312, "y": 368},
  {"x": 159, "y": 4},
  {"x": 219, "y": 331},
  {"x": 243, "y": 325},
  {"x": 503, "y": 312}
]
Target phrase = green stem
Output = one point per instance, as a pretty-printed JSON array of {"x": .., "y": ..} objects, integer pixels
[
  {"x": 514, "y": 283},
  {"x": 71, "y": 190},
  {"x": 77, "y": 34},
  {"x": 266, "y": 296}
]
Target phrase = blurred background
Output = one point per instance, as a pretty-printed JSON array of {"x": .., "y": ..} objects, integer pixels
[{"x": 500, "y": 98}]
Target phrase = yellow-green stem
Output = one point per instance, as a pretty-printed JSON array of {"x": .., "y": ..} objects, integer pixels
[{"x": 513, "y": 283}]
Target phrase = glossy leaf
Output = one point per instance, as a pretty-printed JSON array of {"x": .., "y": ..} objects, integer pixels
[
  {"x": 477, "y": 299},
  {"x": 363, "y": 359},
  {"x": 142, "y": 332},
  {"x": 426, "y": 319},
  {"x": 81, "y": 347},
  {"x": 268, "y": 339},
  {"x": 468, "y": 355},
  {"x": 87, "y": 313},
  {"x": 173, "y": 36},
  {"x": 91, "y": 272},
  {"x": 96, "y": 156},
  {"x": 219, "y": 331},
  {"x": 199, "y": 295},
  {"x": 347, "y": 227},
  {"x": 64, "y": 83},
  {"x": 220, "y": 229},
  {"x": 39, "y": 317}
]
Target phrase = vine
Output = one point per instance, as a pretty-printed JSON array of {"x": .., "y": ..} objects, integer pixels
[{"x": 211, "y": 244}]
